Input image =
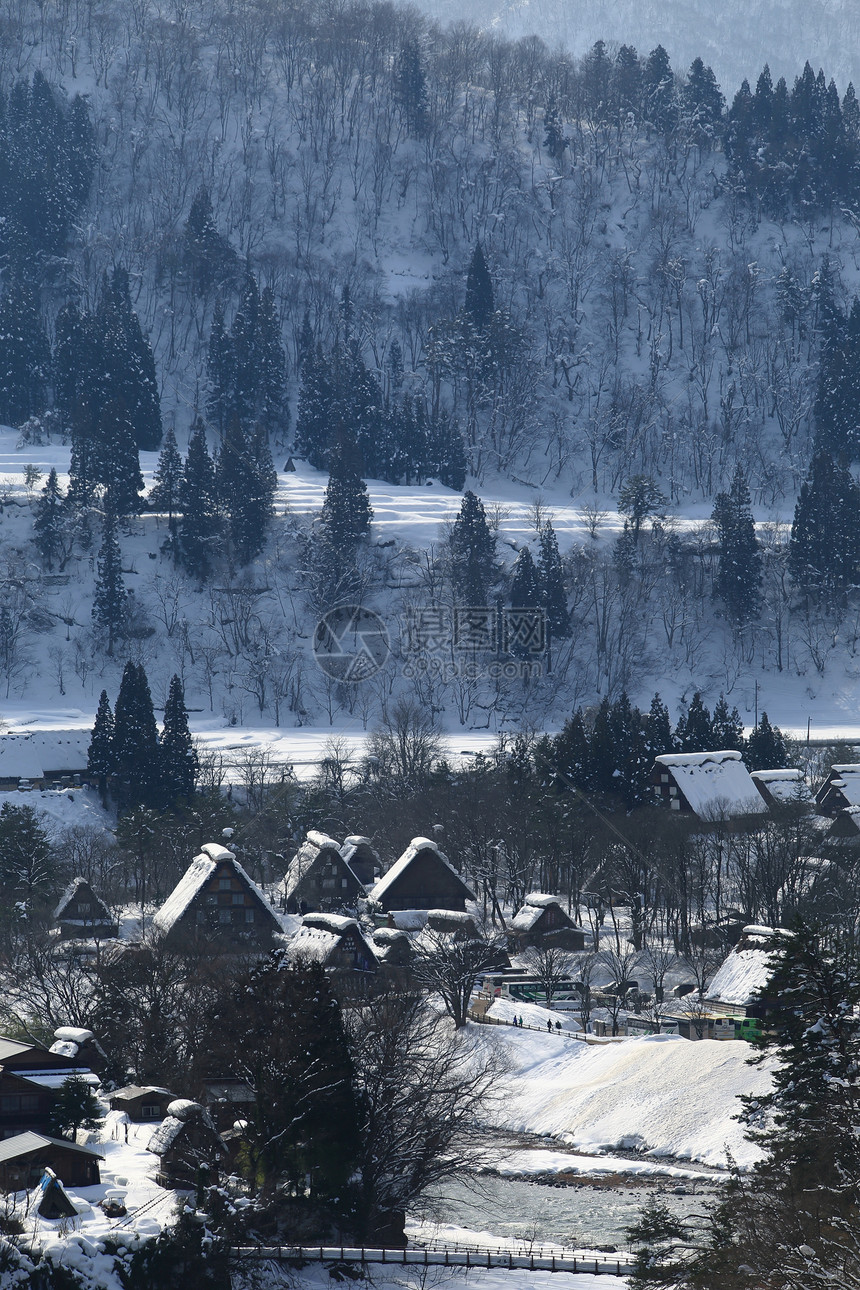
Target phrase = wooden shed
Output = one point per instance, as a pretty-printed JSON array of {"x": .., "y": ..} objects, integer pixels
[
  {"x": 319, "y": 878},
  {"x": 422, "y": 878},
  {"x": 142, "y": 1103},
  {"x": 25, "y": 1157},
  {"x": 543, "y": 921},
  {"x": 188, "y": 1146}
]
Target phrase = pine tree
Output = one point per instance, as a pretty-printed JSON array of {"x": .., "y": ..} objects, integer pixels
[
  {"x": 246, "y": 356},
  {"x": 26, "y": 855},
  {"x": 314, "y": 416},
  {"x": 658, "y": 86},
  {"x": 410, "y": 85},
  {"x": 658, "y": 729},
  {"x": 480, "y": 301},
  {"x": 346, "y": 511},
  {"x": 572, "y": 753},
  {"x": 525, "y": 593},
  {"x": 767, "y": 748},
  {"x": 137, "y": 780},
  {"x": 694, "y": 732},
  {"x": 824, "y": 549},
  {"x": 116, "y": 463},
  {"x": 209, "y": 258},
  {"x": 472, "y": 552},
  {"x": 446, "y": 452},
  {"x": 198, "y": 503},
  {"x": 246, "y": 482},
  {"x": 165, "y": 492},
  {"x": 50, "y": 523},
  {"x": 273, "y": 408},
  {"x": 219, "y": 371},
  {"x": 128, "y": 360},
  {"x": 100, "y": 760},
  {"x": 554, "y": 140},
  {"x": 727, "y": 728},
  {"x": 25, "y": 356},
  {"x": 177, "y": 759},
  {"x": 740, "y": 564},
  {"x": 551, "y": 575},
  {"x": 109, "y": 604}
]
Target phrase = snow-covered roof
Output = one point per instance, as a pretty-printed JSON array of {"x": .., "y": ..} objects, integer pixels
[
  {"x": 64, "y": 1049},
  {"x": 133, "y": 1091},
  {"x": 73, "y": 1034},
  {"x": 190, "y": 885},
  {"x": 715, "y": 785},
  {"x": 847, "y": 779},
  {"x": 541, "y": 900},
  {"x": 313, "y": 943},
  {"x": 194, "y": 879},
  {"x": 743, "y": 972},
  {"x": 783, "y": 785},
  {"x": 165, "y": 1135},
  {"x": 56, "y": 1079},
  {"x": 416, "y": 846},
  {"x": 23, "y": 1143},
  {"x": 389, "y": 936},
  {"x": 315, "y": 845},
  {"x": 337, "y": 923},
  {"x": 70, "y": 894},
  {"x": 29, "y": 754}
]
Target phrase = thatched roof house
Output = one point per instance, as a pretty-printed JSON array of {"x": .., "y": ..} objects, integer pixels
[
  {"x": 711, "y": 785},
  {"x": 186, "y": 1143},
  {"x": 361, "y": 857},
  {"x": 216, "y": 898},
  {"x": 422, "y": 878},
  {"x": 81, "y": 913},
  {"x": 334, "y": 941},
  {"x": 542, "y": 920},
  {"x": 782, "y": 787},
  {"x": 841, "y": 789},
  {"x": 319, "y": 878}
]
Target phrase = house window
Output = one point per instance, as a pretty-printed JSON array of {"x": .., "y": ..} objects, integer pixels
[
  {"x": 224, "y": 884},
  {"x": 84, "y": 909},
  {"x": 344, "y": 882},
  {"x": 29, "y": 1102},
  {"x": 149, "y": 1111},
  {"x": 224, "y": 916},
  {"x": 238, "y": 898},
  {"x": 10, "y": 1103},
  {"x": 249, "y": 916},
  {"x": 328, "y": 883}
]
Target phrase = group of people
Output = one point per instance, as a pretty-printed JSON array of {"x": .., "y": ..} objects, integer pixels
[{"x": 518, "y": 1021}]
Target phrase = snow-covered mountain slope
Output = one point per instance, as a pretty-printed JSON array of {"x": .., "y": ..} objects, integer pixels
[{"x": 735, "y": 38}]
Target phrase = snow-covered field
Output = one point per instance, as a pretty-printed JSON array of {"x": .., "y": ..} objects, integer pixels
[{"x": 661, "y": 1094}]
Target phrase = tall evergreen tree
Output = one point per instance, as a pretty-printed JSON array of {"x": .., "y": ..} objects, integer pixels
[
  {"x": 572, "y": 753},
  {"x": 128, "y": 360},
  {"x": 727, "y": 728},
  {"x": 739, "y": 574},
  {"x": 246, "y": 482},
  {"x": 694, "y": 731},
  {"x": 198, "y": 503},
  {"x": 100, "y": 759},
  {"x": 209, "y": 259},
  {"x": 25, "y": 355},
  {"x": 824, "y": 549},
  {"x": 346, "y": 511},
  {"x": 525, "y": 593},
  {"x": 313, "y": 419},
  {"x": 410, "y": 84},
  {"x": 551, "y": 575},
  {"x": 660, "y": 99},
  {"x": 49, "y": 525},
  {"x": 219, "y": 370},
  {"x": 658, "y": 729},
  {"x": 110, "y": 601},
  {"x": 767, "y": 747},
  {"x": 472, "y": 551},
  {"x": 167, "y": 486},
  {"x": 137, "y": 779},
  {"x": 177, "y": 759},
  {"x": 272, "y": 405},
  {"x": 116, "y": 463},
  {"x": 480, "y": 299}
]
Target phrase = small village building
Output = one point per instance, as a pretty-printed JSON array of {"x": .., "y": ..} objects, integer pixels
[
  {"x": 544, "y": 921},
  {"x": 25, "y": 1157},
  {"x": 215, "y": 898},
  {"x": 43, "y": 758},
  {"x": 81, "y": 1047},
  {"x": 422, "y": 878},
  {"x": 319, "y": 878},
  {"x": 711, "y": 785},
  {"x": 734, "y": 990},
  {"x": 782, "y": 787},
  {"x": 392, "y": 947},
  {"x": 189, "y": 1148},
  {"x": 334, "y": 941},
  {"x": 843, "y": 833},
  {"x": 454, "y": 923},
  {"x": 840, "y": 790},
  {"x": 81, "y": 913},
  {"x": 142, "y": 1103},
  {"x": 362, "y": 859},
  {"x": 50, "y": 1200}
]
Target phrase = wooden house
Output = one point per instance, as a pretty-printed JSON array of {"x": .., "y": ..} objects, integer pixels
[
  {"x": 734, "y": 989},
  {"x": 30, "y": 1077},
  {"x": 319, "y": 878},
  {"x": 188, "y": 1146},
  {"x": 840, "y": 790},
  {"x": 362, "y": 859},
  {"x": 334, "y": 941},
  {"x": 142, "y": 1103},
  {"x": 216, "y": 899},
  {"x": 711, "y": 785},
  {"x": 81, "y": 913},
  {"x": 421, "y": 879},
  {"x": 392, "y": 947},
  {"x": 25, "y": 1157},
  {"x": 43, "y": 758},
  {"x": 543, "y": 921},
  {"x": 81, "y": 1047},
  {"x": 782, "y": 787}
]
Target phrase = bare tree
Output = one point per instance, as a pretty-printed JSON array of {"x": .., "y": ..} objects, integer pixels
[
  {"x": 450, "y": 964},
  {"x": 420, "y": 1087},
  {"x": 621, "y": 962},
  {"x": 406, "y": 745},
  {"x": 551, "y": 965}
]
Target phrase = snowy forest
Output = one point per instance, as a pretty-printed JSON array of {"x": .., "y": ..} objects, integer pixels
[{"x": 342, "y": 236}]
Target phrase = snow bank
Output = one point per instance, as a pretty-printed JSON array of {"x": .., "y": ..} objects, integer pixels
[{"x": 661, "y": 1094}]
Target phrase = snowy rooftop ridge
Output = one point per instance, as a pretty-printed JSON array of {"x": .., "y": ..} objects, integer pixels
[
  {"x": 190, "y": 885},
  {"x": 415, "y": 847},
  {"x": 716, "y": 785}
]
